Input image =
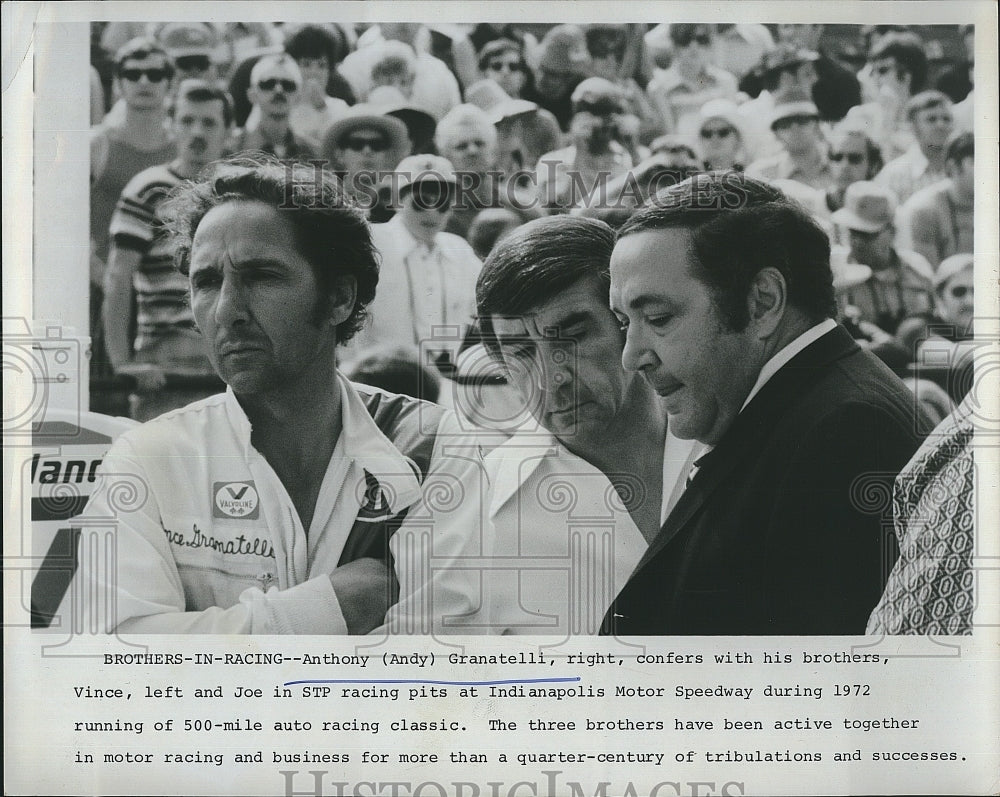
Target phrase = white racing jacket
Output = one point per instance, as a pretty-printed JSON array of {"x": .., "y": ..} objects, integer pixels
[{"x": 200, "y": 535}]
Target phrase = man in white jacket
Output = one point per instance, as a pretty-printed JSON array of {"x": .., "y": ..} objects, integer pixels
[{"x": 295, "y": 502}]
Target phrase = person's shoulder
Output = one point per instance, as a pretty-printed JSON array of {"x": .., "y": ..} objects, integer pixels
[
  {"x": 916, "y": 264},
  {"x": 158, "y": 177},
  {"x": 454, "y": 244},
  {"x": 179, "y": 428}
]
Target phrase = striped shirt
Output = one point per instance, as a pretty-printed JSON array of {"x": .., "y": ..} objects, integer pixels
[{"x": 161, "y": 292}]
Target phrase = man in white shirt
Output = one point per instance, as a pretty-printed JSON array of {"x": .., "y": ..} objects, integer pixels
[
  {"x": 428, "y": 278},
  {"x": 577, "y": 495},
  {"x": 923, "y": 164},
  {"x": 725, "y": 289},
  {"x": 279, "y": 506}
]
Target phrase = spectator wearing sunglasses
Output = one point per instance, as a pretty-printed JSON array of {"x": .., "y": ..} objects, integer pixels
[
  {"x": 191, "y": 45},
  {"x": 121, "y": 147},
  {"x": 804, "y": 157},
  {"x": 428, "y": 276},
  {"x": 937, "y": 221},
  {"x": 120, "y": 150},
  {"x": 502, "y": 60},
  {"x": 720, "y": 140},
  {"x": 785, "y": 74},
  {"x": 901, "y": 280},
  {"x": 930, "y": 117},
  {"x": 275, "y": 83},
  {"x": 853, "y": 157},
  {"x": 364, "y": 145},
  {"x": 952, "y": 317},
  {"x": 679, "y": 91}
]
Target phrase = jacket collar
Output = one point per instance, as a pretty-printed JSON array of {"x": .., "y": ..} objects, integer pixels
[{"x": 361, "y": 440}]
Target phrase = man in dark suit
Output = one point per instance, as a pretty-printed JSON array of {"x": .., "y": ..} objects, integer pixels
[{"x": 725, "y": 290}]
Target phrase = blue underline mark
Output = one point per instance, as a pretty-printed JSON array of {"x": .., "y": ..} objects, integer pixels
[{"x": 573, "y": 679}]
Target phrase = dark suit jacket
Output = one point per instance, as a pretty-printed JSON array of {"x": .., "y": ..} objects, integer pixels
[{"x": 786, "y": 527}]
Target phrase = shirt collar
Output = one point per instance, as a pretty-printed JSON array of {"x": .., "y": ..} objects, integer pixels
[
  {"x": 360, "y": 440},
  {"x": 515, "y": 460},
  {"x": 366, "y": 444},
  {"x": 785, "y": 355}
]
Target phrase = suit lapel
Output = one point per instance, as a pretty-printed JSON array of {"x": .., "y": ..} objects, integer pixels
[{"x": 749, "y": 429}]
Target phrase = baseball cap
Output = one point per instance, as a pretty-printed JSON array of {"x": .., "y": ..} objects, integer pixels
[
  {"x": 597, "y": 95},
  {"x": 951, "y": 266},
  {"x": 424, "y": 168},
  {"x": 188, "y": 38},
  {"x": 868, "y": 207},
  {"x": 784, "y": 56},
  {"x": 790, "y": 110}
]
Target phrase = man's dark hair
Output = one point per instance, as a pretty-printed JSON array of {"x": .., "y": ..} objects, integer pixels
[
  {"x": 961, "y": 147},
  {"x": 908, "y": 51},
  {"x": 737, "y": 227},
  {"x": 538, "y": 261},
  {"x": 139, "y": 48},
  {"x": 314, "y": 41},
  {"x": 331, "y": 233},
  {"x": 196, "y": 90}
]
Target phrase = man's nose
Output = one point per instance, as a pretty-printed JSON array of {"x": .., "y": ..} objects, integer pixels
[
  {"x": 636, "y": 355},
  {"x": 230, "y": 307}
]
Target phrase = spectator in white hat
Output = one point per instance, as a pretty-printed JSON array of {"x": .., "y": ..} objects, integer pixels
[
  {"x": 363, "y": 144},
  {"x": 428, "y": 276},
  {"x": 192, "y": 45},
  {"x": 720, "y": 136},
  {"x": 804, "y": 155}
]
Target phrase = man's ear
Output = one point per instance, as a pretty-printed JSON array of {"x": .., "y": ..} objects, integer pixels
[
  {"x": 767, "y": 301},
  {"x": 253, "y": 94},
  {"x": 342, "y": 299}
]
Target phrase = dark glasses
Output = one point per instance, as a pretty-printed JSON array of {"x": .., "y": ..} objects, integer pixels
[
  {"x": 701, "y": 39},
  {"x": 358, "y": 143},
  {"x": 499, "y": 66},
  {"x": 193, "y": 63},
  {"x": 717, "y": 132},
  {"x": 960, "y": 291},
  {"x": 793, "y": 121},
  {"x": 271, "y": 83},
  {"x": 853, "y": 158},
  {"x": 152, "y": 75}
]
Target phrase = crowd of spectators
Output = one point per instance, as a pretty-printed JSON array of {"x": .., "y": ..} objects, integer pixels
[{"x": 452, "y": 135}]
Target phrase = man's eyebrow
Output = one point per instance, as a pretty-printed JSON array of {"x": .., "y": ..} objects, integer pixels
[
  {"x": 643, "y": 300},
  {"x": 571, "y": 319}
]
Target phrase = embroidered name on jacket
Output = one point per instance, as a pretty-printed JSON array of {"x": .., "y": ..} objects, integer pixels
[{"x": 241, "y": 544}]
